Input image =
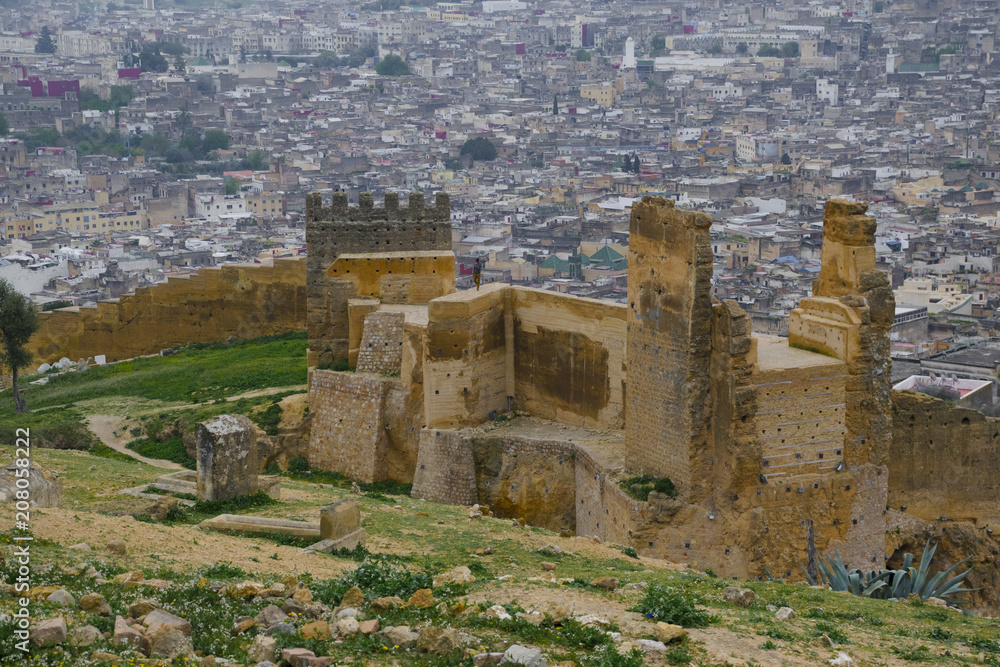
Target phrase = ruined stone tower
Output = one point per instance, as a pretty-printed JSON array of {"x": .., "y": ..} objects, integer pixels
[
  {"x": 394, "y": 233},
  {"x": 668, "y": 397}
]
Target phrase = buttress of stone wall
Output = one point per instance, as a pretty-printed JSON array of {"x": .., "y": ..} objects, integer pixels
[
  {"x": 338, "y": 229},
  {"x": 244, "y": 301},
  {"x": 668, "y": 396}
]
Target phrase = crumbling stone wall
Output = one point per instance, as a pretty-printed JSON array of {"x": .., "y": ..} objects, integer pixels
[
  {"x": 244, "y": 301},
  {"x": 365, "y": 426},
  {"x": 553, "y": 484},
  {"x": 668, "y": 394},
  {"x": 381, "y": 348},
  {"x": 338, "y": 229}
]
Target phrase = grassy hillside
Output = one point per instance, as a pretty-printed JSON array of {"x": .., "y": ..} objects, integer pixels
[
  {"x": 196, "y": 374},
  {"x": 411, "y": 542}
]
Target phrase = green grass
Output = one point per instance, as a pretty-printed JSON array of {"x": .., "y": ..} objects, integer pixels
[
  {"x": 171, "y": 450},
  {"x": 56, "y": 428},
  {"x": 196, "y": 373}
]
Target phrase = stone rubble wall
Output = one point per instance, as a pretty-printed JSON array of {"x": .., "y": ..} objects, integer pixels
[{"x": 381, "y": 349}]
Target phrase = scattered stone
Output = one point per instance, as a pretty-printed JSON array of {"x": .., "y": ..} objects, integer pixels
[
  {"x": 296, "y": 656},
  {"x": 668, "y": 632},
  {"x": 553, "y": 549},
  {"x": 158, "y": 618},
  {"x": 302, "y": 595},
  {"x": 353, "y": 597},
  {"x": 82, "y": 546},
  {"x": 293, "y": 606},
  {"x": 95, "y": 603},
  {"x": 401, "y": 636},
  {"x": 741, "y": 597},
  {"x": 439, "y": 641},
  {"x": 355, "y": 489},
  {"x": 385, "y": 604},
  {"x": 475, "y": 512},
  {"x": 125, "y": 636},
  {"x": 347, "y": 626},
  {"x": 49, "y": 633},
  {"x": 280, "y": 629},
  {"x": 534, "y": 617},
  {"x": 497, "y": 612},
  {"x": 936, "y": 602},
  {"x": 592, "y": 620},
  {"x": 82, "y": 366},
  {"x": 141, "y": 607},
  {"x": 118, "y": 548},
  {"x": 262, "y": 649},
  {"x": 607, "y": 583},
  {"x": 170, "y": 641},
  {"x": 650, "y": 647},
  {"x": 161, "y": 507},
  {"x": 368, "y": 627},
  {"x": 487, "y": 659},
  {"x": 422, "y": 599},
  {"x": 557, "y": 612},
  {"x": 785, "y": 614},
  {"x": 84, "y": 636},
  {"x": 44, "y": 486},
  {"x": 270, "y": 615},
  {"x": 101, "y": 657},
  {"x": 348, "y": 611},
  {"x": 242, "y": 624},
  {"x": 316, "y": 630},
  {"x": 61, "y": 597},
  {"x": 522, "y": 655},
  {"x": 458, "y": 575},
  {"x": 548, "y": 567},
  {"x": 842, "y": 660}
]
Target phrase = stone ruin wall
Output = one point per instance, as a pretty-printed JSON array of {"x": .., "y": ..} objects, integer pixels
[
  {"x": 243, "y": 301},
  {"x": 553, "y": 484},
  {"x": 556, "y": 356},
  {"x": 669, "y": 343},
  {"x": 338, "y": 229},
  {"x": 381, "y": 348}
]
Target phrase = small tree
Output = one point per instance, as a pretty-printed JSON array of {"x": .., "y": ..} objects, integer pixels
[
  {"x": 742, "y": 48},
  {"x": 555, "y": 105},
  {"x": 392, "y": 65},
  {"x": 785, "y": 159},
  {"x": 215, "y": 140},
  {"x": 179, "y": 64},
  {"x": 790, "y": 49},
  {"x": 715, "y": 49},
  {"x": 18, "y": 321},
  {"x": 4, "y": 125},
  {"x": 658, "y": 43},
  {"x": 583, "y": 56},
  {"x": 479, "y": 148},
  {"x": 232, "y": 186},
  {"x": 45, "y": 43}
]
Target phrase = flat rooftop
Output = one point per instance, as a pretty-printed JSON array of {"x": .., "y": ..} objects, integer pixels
[
  {"x": 983, "y": 357},
  {"x": 773, "y": 353}
]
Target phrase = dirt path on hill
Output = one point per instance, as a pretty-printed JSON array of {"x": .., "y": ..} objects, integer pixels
[{"x": 104, "y": 427}]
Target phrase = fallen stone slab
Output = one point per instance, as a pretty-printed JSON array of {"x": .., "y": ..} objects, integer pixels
[
  {"x": 237, "y": 523},
  {"x": 350, "y": 542}
]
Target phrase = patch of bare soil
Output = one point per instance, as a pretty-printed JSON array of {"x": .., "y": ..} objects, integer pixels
[{"x": 180, "y": 547}]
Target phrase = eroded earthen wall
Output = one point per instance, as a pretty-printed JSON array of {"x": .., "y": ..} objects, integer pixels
[
  {"x": 569, "y": 358},
  {"x": 668, "y": 391},
  {"x": 943, "y": 460},
  {"x": 338, "y": 229},
  {"x": 465, "y": 357},
  {"x": 243, "y": 301}
]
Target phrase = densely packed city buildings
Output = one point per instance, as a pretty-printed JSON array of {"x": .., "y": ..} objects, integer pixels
[{"x": 150, "y": 139}]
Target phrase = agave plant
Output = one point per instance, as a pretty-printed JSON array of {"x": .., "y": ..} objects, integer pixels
[{"x": 895, "y": 584}]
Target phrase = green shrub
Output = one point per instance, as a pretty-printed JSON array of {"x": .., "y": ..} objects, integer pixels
[
  {"x": 607, "y": 656},
  {"x": 169, "y": 450},
  {"x": 269, "y": 419},
  {"x": 639, "y": 487},
  {"x": 298, "y": 464},
  {"x": 377, "y": 577},
  {"x": 259, "y": 499},
  {"x": 663, "y": 603}
]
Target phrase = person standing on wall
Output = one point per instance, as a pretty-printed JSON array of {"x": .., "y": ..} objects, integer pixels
[{"x": 477, "y": 273}]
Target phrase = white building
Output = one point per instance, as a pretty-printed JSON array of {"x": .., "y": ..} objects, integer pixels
[
  {"x": 629, "y": 62},
  {"x": 212, "y": 207},
  {"x": 828, "y": 92}
]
